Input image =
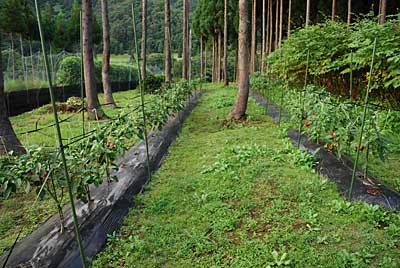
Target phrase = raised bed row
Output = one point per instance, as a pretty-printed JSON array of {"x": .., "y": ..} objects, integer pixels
[
  {"x": 337, "y": 170},
  {"x": 46, "y": 247}
]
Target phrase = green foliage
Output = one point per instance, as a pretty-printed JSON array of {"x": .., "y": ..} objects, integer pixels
[
  {"x": 224, "y": 201},
  {"x": 69, "y": 72},
  {"x": 333, "y": 121},
  {"x": 94, "y": 157},
  {"x": 330, "y": 45},
  {"x": 153, "y": 83}
]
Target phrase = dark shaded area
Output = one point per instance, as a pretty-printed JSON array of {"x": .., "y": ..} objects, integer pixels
[
  {"x": 47, "y": 248},
  {"x": 19, "y": 102},
  {"x": 339, "y": 171}
]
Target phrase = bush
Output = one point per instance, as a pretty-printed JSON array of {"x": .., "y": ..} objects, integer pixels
[
  {"x": 69, "y": 72},
  {"x": 153, "y": 82},
  {"x": 331, "y": 44}
]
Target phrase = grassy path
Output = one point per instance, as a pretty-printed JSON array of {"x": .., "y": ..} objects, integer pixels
[{"x": 241, "y": 196}]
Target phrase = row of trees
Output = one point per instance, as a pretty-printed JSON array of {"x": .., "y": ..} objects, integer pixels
[{"x": 217, "y": 23}]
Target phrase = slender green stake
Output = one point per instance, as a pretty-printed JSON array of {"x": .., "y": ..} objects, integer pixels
[
  {"x": 303, "y": 99},
  {"x": 60, "y": 142},
  {"x": 353, "y": 178},
  {"x": 351, "y": 74},
  {"x": 82, "y": 78},
  {"x": 141, "y": 86},
  {"x": 286, "y": 80}
]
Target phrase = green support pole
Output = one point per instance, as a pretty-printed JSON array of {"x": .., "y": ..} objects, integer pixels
[
  {"x": 141, "y": 86},
  {"x": 60, "y": 141},
  {"x": 353, "y": 178},
  {"x": 286, "y": 80},
  {"x": 351, "y": 74},
  {"x": 303, "y": 99},
  {"x": 82, "y": 78}
]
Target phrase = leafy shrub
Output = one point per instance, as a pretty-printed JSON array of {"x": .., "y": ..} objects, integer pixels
[
  {"x": 332, "y": 45},
  {"x": 69, "y": 72},
  {"x": 153, "y": 82}
]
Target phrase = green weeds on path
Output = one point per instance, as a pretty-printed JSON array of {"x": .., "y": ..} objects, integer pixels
[{"x": 243, "y": 196}]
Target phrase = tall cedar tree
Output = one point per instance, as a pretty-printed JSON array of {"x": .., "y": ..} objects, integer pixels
[
  {"x": 94, "y": 109},
  {"x": 263, "y": 42},
  {"x": 308, "y": 13},
  {"x": 382, "y": 11},
  {"x": 280, "y": 23},
  {"x": 8, "y": 140},
  {"x": 105, "y": 71},
  {"x": 185, "y": 40},
  {"x": 253, "y": 51},
  {"x": 289, "y": 19},
  {"x": 239, "y": 109},
  {"x": 144, "y": 39},
  {"x": 167, "y": 41},
  {"x": 226, "y": 82},
  {"x": 348, "y": 13}
]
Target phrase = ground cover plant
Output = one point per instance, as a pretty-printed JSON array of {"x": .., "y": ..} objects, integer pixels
[
  {"x": 243, "y": 196},
  {"x": 91, "y": 156},
  {"x": 336, "y": 122}
]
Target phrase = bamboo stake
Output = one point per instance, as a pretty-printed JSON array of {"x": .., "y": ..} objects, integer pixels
[
  {"x": 142, "y": 88},
  {"x": 303, "y": 99},
  {"x": 82, "y": 71},
  {"x": 286, "y": 80},
  {"x": 60, "y": 140},
  {"x": 353, "y": 178},
  {"x": 351, "y": 74}
]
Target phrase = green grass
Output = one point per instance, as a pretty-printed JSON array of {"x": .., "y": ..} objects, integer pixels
[
  {"x": 17, "y": 85},
  {"x": 117, "y": 59},
  {"x": 43, "y": 117},
  {"x": 242, "y": 196}
]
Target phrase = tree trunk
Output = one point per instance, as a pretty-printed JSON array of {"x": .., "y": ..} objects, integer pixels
[
  {"x": 253, "y": 38},
  {"x": 190, "y": 55},
  {"x": 32, "y": 62},
  {"x": 271, "y": 20},
  {"x": 226, "y": 82},
  {"x": 94, "y": 109},
  {"x": 263, "y": 43},
  {"x": 348, "y": 13},
  {"x": 8, "y": 140},
  {"x": 105, "y": 71},
  {"x": 213, "y": 79},
  {"x": 382, "y": 14},
  {"x": 276, "y": 25},
  {"x": 280, "y": 24},
  {"x": 333, "y": 10},
  {"x": 13, "y": 56},
  {"x": 22, "y": 57},
  {"x": 289, "y": 19},
  {"x": 51, "y": 62},
  {"x": 167, "y": 41},
  {"x": 236, "y": 64},
  {"x": 201, "y": 58},
  {"x": 205, "y": 60},
  {"x": 308, "y": 13},
  {"x": 144, "y": 39},
  {"x": 219, "y": 57},
  {"x": 185, "y": 40},
  {"x": 239, "y": 109}
]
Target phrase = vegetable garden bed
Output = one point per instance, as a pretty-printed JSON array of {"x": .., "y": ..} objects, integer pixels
[
  {"x": 47, "y": 247},
  {"x": 338, "y": 170}
]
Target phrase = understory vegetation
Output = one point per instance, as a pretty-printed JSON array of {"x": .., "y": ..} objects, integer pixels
[
  {"x": 245, "y": 197},
  {"x": 335, "y": 50},
  {"x": 336, "y": 123},
  {"x": 92, "y": 155}
]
